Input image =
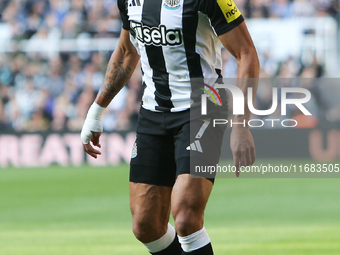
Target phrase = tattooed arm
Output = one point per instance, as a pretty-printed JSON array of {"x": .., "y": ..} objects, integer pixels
[{"x": 119, "y": 70}]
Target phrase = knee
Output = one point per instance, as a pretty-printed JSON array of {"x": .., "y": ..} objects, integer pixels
[
  {"x": 147, "y": 230},
  {"x": 188, "y": 221}
]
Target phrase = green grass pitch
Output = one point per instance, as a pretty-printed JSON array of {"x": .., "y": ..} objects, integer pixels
[{"x": 85, "y": 211}]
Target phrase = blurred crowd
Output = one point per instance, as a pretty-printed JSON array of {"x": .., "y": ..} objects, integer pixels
[
  {"x": 43, "y": 92},
  {"x": 27, "y": 18},
  {"x": 287, "y": 8},
  {"x": 55, "y": 94},
  {"x": 100, "y": 18}
]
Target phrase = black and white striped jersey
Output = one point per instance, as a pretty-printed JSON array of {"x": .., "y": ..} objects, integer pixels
[{"x": 177, "y": 41}]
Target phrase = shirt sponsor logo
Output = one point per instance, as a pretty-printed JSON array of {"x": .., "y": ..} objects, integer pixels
[
  {"x": 156, "y": 35},
  {"x": 172, "y": 4},
  {"x": 229, "y": 9}
]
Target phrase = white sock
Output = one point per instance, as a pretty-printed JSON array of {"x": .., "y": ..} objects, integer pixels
[
  {"x": 194, "y": 241},
  {"x": 163, "y": 242}
]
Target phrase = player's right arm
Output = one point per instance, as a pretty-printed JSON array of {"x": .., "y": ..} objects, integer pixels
[
  {"x": 122, "y": 63},
  {"x": 119, "y": 70}
]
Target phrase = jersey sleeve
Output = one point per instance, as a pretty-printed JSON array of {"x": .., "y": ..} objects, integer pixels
[
  {"x": 122, "y": 6},
  {"x": 223, "y": 14}
]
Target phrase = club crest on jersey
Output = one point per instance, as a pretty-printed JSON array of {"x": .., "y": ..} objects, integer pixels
[
  {"x": 172, "y": 4},
  {"x": 156, "y": 35}
]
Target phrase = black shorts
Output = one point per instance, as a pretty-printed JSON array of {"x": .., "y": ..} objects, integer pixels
[{"x": 165, "y": 143}]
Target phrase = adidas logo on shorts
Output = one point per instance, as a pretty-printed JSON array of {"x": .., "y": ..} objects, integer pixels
[{"x": 195, "y": 146}]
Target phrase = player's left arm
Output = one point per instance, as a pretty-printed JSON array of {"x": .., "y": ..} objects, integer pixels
[{"x": 239, "y": 43}]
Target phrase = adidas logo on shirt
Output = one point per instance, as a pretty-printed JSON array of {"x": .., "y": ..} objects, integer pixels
[{"x": 134, "y": 3}]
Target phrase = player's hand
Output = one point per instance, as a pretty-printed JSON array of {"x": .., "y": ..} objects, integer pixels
[
  {"x": 88, "y": 135},
  {"x": 92, "y": 129},
  {"x": 89, "y": 149},
  {"x": 243, "y": 147}
]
